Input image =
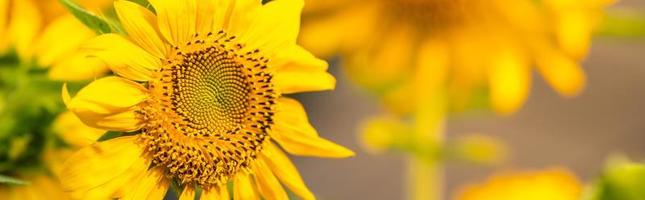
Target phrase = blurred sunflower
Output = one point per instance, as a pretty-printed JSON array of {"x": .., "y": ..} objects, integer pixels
[
  {"x": 37, "y": 52},
  {"x": 199, "y": 95},
  {"x": 553, "y": 184},
  {"x": 465, "y": 45}
]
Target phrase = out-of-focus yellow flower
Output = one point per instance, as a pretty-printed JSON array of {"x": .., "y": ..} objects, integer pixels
[
  {"x": 42, "y": 31},
  {"x": 36, "y": 35},
  {"x": 200, "y": 87},
  {"x": 553, "y": 184},
  {"x": 39, "y": 187},
  {"x": 43, "y": 182},
  {"x": 465, "y": 44}
]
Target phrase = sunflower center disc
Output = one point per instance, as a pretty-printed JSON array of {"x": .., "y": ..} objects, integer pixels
[
  {"x": 212, "y": 91},
  {"x": 210, "y": 111}
]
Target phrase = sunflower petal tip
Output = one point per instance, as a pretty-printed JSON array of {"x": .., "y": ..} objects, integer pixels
[{"x": 344, "y": 152}]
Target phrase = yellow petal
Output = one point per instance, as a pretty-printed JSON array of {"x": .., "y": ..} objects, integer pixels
[
  {"x": 123, "y": 57},
  {"x": 188, "y": 193},
  {"x": 48, "y": 187},
  {"x": 221, "y": 14},
  {"x": 4, "y": 10},
  {"x": 236, "y": 16},
  {"x": 563, "y": 73},
  {"x": 103, "y": 170},
  {"x": 282, "y": 167},
  {"x": 25, "y": 22},
  {"x": 294, "y": 133},
  {"x": 574, "y": 29},
  {"x": 140, "y": 24},
  {"x": 57, "y": 41},
  {"x": 77, "y": 67},
  {"x": 402, "y": 96},
  {"x": 74, "y": 132},
  {"x": 243, "y": 188},
  {"x": 109, "y": 103},
  {"x": 326, "y": 36},
  {"x": 204, "y": 18},
  {"x": 386, "y": 63},
  {"x": 54, "y": 159},
  {"x": 153, "y": 186},
  {"x": 510, "y": 80},
  {"x": 267, "y": 184},
  {"x": 215, "y": 193},
  {"x": 433, "y": 63},
  {"x": 279, "y": 19},
  {"x": 297, "y": 58},
  {"x": 176, "y": 19},
  {"x": 40, "y": 187},
  {"x": 302, "y": 80}
]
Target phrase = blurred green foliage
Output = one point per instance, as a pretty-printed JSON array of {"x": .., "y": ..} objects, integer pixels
[
  {"x": 388, "y": 134},
  {"x": 29, "y": 103},
  {"x": 620, "y": 180},
  {"x": 623, "y": 23}
]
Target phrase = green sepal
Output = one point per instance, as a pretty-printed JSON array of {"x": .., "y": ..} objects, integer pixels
[{"x": 92, "y": 21}]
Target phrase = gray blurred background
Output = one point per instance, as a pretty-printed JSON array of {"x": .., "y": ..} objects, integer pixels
[{"x": 579, "y": 133}]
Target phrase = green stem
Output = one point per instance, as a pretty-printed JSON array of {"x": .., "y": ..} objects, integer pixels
[
  {"x": 426, "y": 178},
  {"x": 623, "y": 23}
]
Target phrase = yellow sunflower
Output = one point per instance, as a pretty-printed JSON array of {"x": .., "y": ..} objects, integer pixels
[
  {"x": 553, "y": 184},
  {"x": 199, "y": 93},
  {"x": 40, "y": 31},
  {"x": 34, "y": 136},
  {"x": 465, "y": 45}
]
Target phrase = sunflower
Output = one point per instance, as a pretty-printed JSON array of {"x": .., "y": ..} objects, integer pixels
[
  {"x": 38, "y": 52},
  {"x": 198, "y": 92},
  {"x": 465, "y": 45},
  {"x": 34, "y": 30},
  {"x": 553, "y": 184}
]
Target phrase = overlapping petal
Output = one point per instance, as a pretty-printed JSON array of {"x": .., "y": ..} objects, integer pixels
[
  {"x": 99, "y": 171},
  {"x": 282, "y": 167},
  {"x": 109, "y": 103},
  {"x": 141, "y": 25},
  {"x": 294, "y": 133},
  {"x": 176, "y": 19},
  {"x": 267, "y": 183},
  {"x": 123, "y": 57}
]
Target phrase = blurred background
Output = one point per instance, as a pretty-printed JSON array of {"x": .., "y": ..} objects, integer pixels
[{"x": 549, "y": 131}]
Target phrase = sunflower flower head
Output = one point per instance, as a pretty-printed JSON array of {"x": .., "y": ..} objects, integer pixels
[
  {"x": 555, "y": 184},
  {"x": 467, "y": 46},
  {"x": 199, "y": 97}
]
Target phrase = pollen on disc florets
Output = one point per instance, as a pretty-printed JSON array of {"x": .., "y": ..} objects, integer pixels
[{"x": 210, "y": 111}]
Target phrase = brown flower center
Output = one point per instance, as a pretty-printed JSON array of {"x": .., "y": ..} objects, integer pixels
[
  {"x": 431, "y": 13},
  {"x": 211, "y": 110}
]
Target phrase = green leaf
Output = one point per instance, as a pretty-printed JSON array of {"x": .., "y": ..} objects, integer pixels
[
  {"x": 110, "y": 135},
  {"x": 145, "y": 4},
  {"x": 12, "y": 181},
  {"x": 90, "y": 20}
]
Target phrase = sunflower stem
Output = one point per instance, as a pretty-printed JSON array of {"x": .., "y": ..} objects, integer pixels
[{"x": 426, "y": 178}]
